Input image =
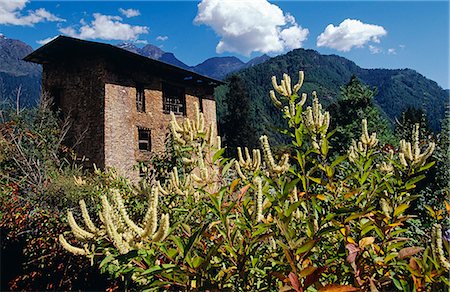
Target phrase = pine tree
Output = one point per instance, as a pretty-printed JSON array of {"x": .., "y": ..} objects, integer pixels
[
  {"x": 236, "y": 126},
  {"x": 408, "y": 119},
  {"x": 354, "y": 104}
]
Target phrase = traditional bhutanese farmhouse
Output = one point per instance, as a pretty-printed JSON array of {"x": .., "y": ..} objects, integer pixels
[{"x": 119, "y": 101}]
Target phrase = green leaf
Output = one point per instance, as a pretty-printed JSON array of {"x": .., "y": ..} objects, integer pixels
[
  {"x": 412, "y": 182},
  {"x": 338, "y": 160},
  {"x": 400, "y": 209},
  {"x": 197, "y": 261},
  {"x": 426, "y": 166},
  {"x": 106, "y": 260},
  {"x": 227, "y": 167},
  {"x": 366, "y": 229},
  {"x": 298, "y": 137},
  {"x": 390, "y": 257},
  {"x": 324, "y": 147},
  {"x": 306, "y": 247},
  {"x": 179, "y": 243},
  {"x": 193, "y": 239},
  {"x": 218, "y": 154},
  {"x": 397, "y": 284}
]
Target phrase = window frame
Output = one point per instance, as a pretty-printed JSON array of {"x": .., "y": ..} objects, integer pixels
[
  {"x": 140, "y": 98},
  {"x": 175, "y": 93},
  {"x": 148, "y": 140}
]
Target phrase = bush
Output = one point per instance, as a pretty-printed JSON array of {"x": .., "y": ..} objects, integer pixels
[
  {"x": 308, "y": 219},
  {"x": 36, "y": 187}
]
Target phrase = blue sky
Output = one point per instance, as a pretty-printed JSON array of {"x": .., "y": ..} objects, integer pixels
[{"x": 373, "y": 34}]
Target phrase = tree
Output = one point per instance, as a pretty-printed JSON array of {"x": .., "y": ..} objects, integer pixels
[
  {"x": 407, "y": 121},
  {"x": 354, "y": 104},
  {"x": 236, "y": 125}
]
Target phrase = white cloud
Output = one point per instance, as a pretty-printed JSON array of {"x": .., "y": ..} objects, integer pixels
[
  {"x": 375, "y": 49},
  {"x": 350, "y": 33},
  {"x": 128, "y": 13},
  {"x": 47, "y": 40},
  {"x": 248, "y": 26},
  {"x": 141, "y": 42},
  {"x": 392, "y": 51},
  {"x": 162, "y": 38},
  {"x": 106, "y": 27},
  {"x": 11, "y": 13}
]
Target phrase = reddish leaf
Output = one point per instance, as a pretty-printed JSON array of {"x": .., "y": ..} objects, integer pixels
[
  {"x": 313, "y": 277},
  {"x": 338, "y": 288},
  {"x": 409, "y": 251},
  {"x": 352, "y": 252},
  {"x": 294, "y": 281}
]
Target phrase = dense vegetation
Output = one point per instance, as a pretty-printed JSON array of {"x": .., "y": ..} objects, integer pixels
[{"x": 311, "y": 218}]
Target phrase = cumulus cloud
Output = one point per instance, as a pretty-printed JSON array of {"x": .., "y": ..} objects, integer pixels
[
  {"x": 162, "y": 38},
  {"x": 106, "y": 27},
  {"x": 350, "y": 33},
  {"x": 47, "y": 40},
  {"x": 375, "y": 49},
  {"x": 248, "y": 26},
  {"x": 11, "y": 13},
  {"x": 392, "y": 51},
  {"x": 128, "y": 13}
]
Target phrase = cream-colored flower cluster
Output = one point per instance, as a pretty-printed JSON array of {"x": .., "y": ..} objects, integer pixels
[
  {"x": 437, "y": 246},
  {"x": 316, "y": 122},
  {"x": 279, "y": 168},
  {"x": 410, "y": 154},
  {"x": 365, "y": 143},
  {"x": 289, "y": 94},
  {"x": 259, "y": 198},
  {"x": 250, "y": 164},
  {"x": 190, "y": 131},
  {"x": 117, "y": 226},
  {"x": 206, "y": 144}
]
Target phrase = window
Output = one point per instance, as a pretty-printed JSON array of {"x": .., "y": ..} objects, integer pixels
[
  {"x": 200, "y": 103},
  {"x": 55, "y": 97},
  {"x": 173, "y": 99},
  {"x": 144, "y": 139},
  {"x": 140, "y": 99}
]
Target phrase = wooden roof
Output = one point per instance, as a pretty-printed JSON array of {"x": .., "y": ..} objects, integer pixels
[{"x": 68, "y": 48}]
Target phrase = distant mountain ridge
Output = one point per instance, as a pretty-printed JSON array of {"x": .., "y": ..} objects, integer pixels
[
  {"x": 216, "y": 67},
  {"x": 15, "y": 73}
]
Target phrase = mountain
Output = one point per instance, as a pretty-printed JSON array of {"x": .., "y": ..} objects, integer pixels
[
  {"x": 129, "y": 47},
  {"x": 171, "y": 59},
  {"x": 151, "y": 51},
  {"x": 257, "y": 60},
  {"x": 219, "y": 67},
  {"x": 154, "y": 52},
  {"x": 15, "y": 73},
  {"x": 397, "y": 89}
]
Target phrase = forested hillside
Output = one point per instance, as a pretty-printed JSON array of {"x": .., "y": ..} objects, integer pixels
[{"x": 397, "y": 89}]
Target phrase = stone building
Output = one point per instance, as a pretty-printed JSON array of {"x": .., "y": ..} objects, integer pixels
[{"x": 119, "y": 101}]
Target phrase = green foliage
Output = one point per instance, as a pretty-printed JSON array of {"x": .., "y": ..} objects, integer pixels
[
  {"x": 304, "y": 220},
  {"x": 37, "y": 185},
  {"x": 354, "y": 104},
  {"x": 235, "y": 124}
]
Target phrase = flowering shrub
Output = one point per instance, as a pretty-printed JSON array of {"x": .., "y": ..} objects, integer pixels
[{"x": 302, "y": 220}]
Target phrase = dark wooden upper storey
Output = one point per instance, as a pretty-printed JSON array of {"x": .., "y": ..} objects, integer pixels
[{"x": 65, "y": 49}]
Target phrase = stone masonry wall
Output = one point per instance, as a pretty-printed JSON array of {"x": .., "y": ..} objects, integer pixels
[
  {"x": 80, "y": 87},
  {"x": 122, "y": 121}
]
